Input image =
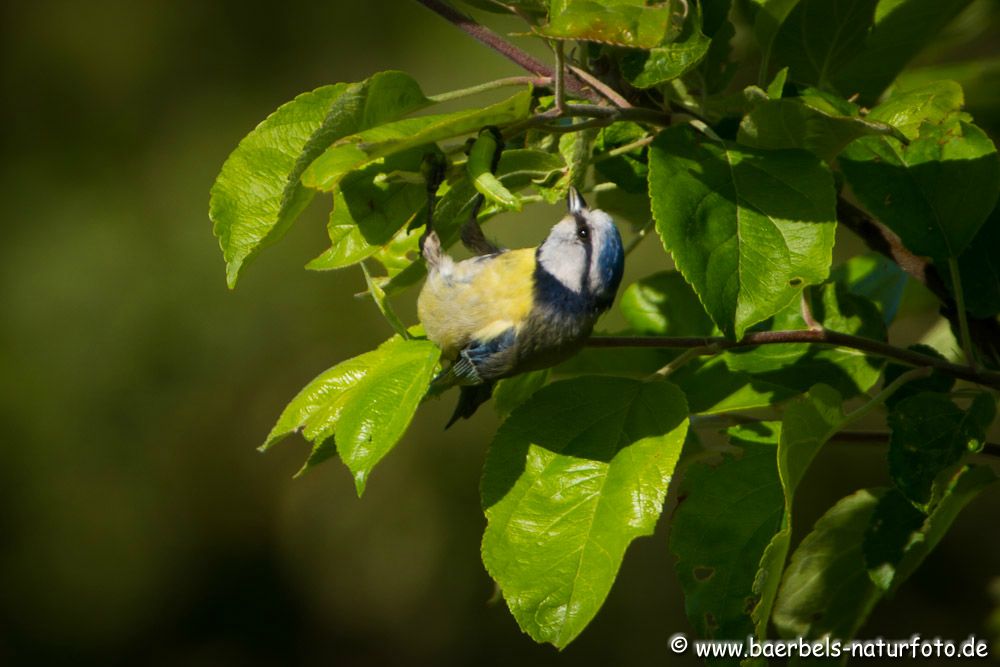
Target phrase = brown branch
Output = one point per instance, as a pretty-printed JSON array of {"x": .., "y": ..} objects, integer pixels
[
  {"x": 882, "y": 437},
  {"x": 820, "y": 337},
  {"x": 494, "y": 41}
]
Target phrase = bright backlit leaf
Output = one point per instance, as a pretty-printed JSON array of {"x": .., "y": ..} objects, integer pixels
[
  {"x": 794, "y": 123},
  {"x": 361, "y": 407},
  {"x": 747, "y": 228},
  {"x": 364, "y": 148},
  {"x": 258, "y": 195},
  {"x": 572, "y": 477},
  {"x": 631, "y": 24}
]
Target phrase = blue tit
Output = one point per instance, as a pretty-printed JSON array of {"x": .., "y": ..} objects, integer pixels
[{"x": 510, "y": 311}]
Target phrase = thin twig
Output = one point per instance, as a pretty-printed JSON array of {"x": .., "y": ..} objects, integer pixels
[
  {"x": 607, "y": 91},
  {"x": 494, "y": 41},
  {"x": 682, "y": 359},
  {"x": 560, "y": 77},
  {"x": 622, "y": 150},
  {"x": 822, "y": 337},
  {"x": 882, "y": 437},
  {"x": 807, "y": 313},
  {"x": 963, "y": 317},
  {"x": 887, "y": 391},
  {"x": 537, "y": 81}
]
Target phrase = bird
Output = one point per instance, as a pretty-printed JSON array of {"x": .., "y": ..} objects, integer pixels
[{"x": 506, "y": 312}]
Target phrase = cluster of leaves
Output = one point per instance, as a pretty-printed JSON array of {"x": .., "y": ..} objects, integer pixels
[{"x": 743, "y": 187}]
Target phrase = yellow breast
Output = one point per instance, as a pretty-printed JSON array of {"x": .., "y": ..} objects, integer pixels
[{"x": 477, "y": 299}]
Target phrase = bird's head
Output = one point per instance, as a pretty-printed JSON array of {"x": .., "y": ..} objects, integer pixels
[{"x": 584, "y": 252}]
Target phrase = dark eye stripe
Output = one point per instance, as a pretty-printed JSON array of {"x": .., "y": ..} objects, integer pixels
[{"x": 582, "y": 228}]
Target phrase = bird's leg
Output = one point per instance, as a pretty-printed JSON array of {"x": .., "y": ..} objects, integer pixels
[
  {"x": 472, "y": 234},
  {"x": 433, "y": 168}
]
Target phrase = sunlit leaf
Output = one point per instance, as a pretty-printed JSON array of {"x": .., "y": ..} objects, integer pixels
[
  {"x": 932, "y": 103},
  {"x": 364, "y": 148},
  {"x": 668, "y": 61},
  {"x": 572, "y": 477},
  {"x": 747, "y": 228},
  {"x": 258, "y": 195},
  {"x": 629, "y": 24},
  {"x": 361, "y": 407},
  {"x": 370, "y": 206},
  {"x": 794, "y": 123}
]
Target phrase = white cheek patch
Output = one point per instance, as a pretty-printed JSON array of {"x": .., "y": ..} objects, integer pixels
[{"x": 565, "y": 262}]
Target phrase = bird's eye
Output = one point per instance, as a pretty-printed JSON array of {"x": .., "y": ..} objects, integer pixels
[{"x": 583, "y": 233}]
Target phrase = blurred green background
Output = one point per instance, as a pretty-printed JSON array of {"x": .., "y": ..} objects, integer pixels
[{"x": 138, "y": 525}]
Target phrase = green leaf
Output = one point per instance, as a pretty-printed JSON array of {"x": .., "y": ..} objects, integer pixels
[
  {"x": 663, "y": 304},
  {"x": 794, "y": 123},
  {"x": 575, "y": 149},
  {"x": 258, "y": 195},
  {"x": 658, "y": 65},
  {"x": 378, "y": 295},
  {"x": 370, "y": 206},
  {"x": 935, "y": 193},
  {"x": 902, "y": 29},
  {"x": 826, "y": 589},
  {"x": 933, "y": 103},
  {"x": 868, "y": 544},
  {"x": 718, "y": 67},
  {"x": 979, "y": 270},
  {"x": 482, "y": 160},
  {"x": 512, "y": 392},
  {"x": 729, "y": 513},
  {"x": 776, "y": 88},
  {"x": 817, "y": 38},
  {"x": 316, "y": 408},
  {"x": 747, "y": 228},
  {"x": 808, "y": 423},
  {"x": 769, "y": 17},
  {"x": 743, "y": 379},
  {"x": 876, "y": 278},
  {"x": 900, "y": 536},
  {"x": 630, "y": 24},
  {"x": 930, "y": 436},
  {"x": 572, "y": 477},
  {"x": 361, "y": 407},
  {"x": 364, "y": 148}
]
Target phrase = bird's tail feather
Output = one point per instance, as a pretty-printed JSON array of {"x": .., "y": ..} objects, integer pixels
[{"x": 470, "y": 397}]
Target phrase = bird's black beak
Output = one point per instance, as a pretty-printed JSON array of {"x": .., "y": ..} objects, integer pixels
[{"x": 575, "y": 201}]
